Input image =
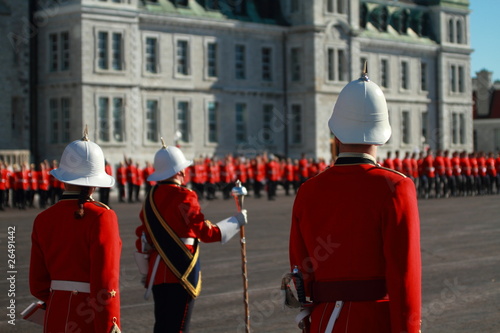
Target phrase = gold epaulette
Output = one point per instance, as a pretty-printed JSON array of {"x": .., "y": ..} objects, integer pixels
[
  {"x": 392, "y": 170},
  {"x": 100, "y": 204}
]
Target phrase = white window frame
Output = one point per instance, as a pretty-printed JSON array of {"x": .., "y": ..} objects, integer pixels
[
  {"x": 240, "y": 63},
  {"x": 267, "y": 67},
  {"x": 406, "y": 127},
  {"x": 59, "y": 58},
  {"x": 296, "y": 60},
  {"x": 212, "y": 122},
  {"x": 62, "y": 121},
  {"x": 146, "y": 55},
  {"x": 187, "y": 59},
  {"x": 151, "y": 124},
  {"x": 208, "y": 61},
  {"x": 186, "y": 130},
  {"x": 404, "y": 77},
  {"x": 240, "y": 125},
  {"x": 267, "y": 126},
  {"x": 296, "y": 125},
  {"x": 385, "y": 73},
  {"x": 111, "y": 119},
  {"x": 110, "y": 50}
]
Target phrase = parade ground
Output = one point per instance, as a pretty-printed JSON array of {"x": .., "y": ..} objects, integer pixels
[{"x": 460, "y": 240}]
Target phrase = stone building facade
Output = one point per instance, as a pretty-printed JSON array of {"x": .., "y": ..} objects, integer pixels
[{"x": 247, "y": 76}]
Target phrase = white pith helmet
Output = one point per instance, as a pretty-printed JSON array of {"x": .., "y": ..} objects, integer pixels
[
  {"x": 360, "y": 115},
  {"x": 168, "y": 161},
  {"x": 82, "y": 163}
]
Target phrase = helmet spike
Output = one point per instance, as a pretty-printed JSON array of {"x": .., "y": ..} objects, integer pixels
[
  {"x": 364, "y": 74},
  {"x": 86, "y": 134},
  {"x": 163, "y": 145}
]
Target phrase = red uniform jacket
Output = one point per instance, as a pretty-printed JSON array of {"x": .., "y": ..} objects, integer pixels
[
  {"x": 360, "y": 222},
  {"x": 84, "y": 250},
  {"x": 180, "y": 208}
]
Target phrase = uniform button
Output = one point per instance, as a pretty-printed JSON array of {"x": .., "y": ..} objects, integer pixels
[{"x": 75, "y": 292}]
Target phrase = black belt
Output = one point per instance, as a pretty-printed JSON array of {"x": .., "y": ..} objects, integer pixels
[{"x": 354, "y": 290}]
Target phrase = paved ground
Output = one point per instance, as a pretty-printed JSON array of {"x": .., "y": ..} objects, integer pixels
[{"x": 460, "y": 251}]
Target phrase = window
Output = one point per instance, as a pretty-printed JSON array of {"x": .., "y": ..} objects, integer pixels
[
  {"x": 331, "y": 64},
  {"x": 151, "y": 55},
  {"x": 336, "y": 6},
  {"x": 341, "y": 64},
  {"x": 54, "y": 120},
  {"x": 241, "y": 121},
  {"x": 453, "y": 78},
  {"x": 113, "y": 47},
  {"x": 59, "y": 113},
  {"x": 336, "y": 65},
  {"x": 295, "y": 63},
  {"x": 294, "y": 6},
  {"x": 111, "y": 119},
  {"x": 240, "y": 70},
  {"x": 425, "y": 127},
  {"x": 457, "y": 128},
  {"x": 461, "y": 79},
  {"x": 152, "y": 120},
  {"x": 404, "y": 75},
  {"x": 267, "y": 116},
  {"x": 423, "y": 76},
  {"x": 267, "y": 65},
  {"x": 459, "y": 32},
  {"x": 212, "y": 59},
  {"x": 384, "y": 73},
  {"x": 183, "y": 120},
  {"x": 405, "y": 127},
  {"x": 451, "y": 31},
  {"x": 296, "y": 124},
  {"x": 461, "y": 120},
  {"x": 212, "y": 122},
  {"x": 59, "y": 52},
  {"x": 53, "y": 53},
  {"x": 182, "y": 57},
  {"x": 64, "y": 51}
]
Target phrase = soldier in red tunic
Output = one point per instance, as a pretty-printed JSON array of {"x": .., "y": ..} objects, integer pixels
[
  {"x": 355, "y": 228},
  {"x": 172, "y": 227},
  {"x": 76, "y": 246}
]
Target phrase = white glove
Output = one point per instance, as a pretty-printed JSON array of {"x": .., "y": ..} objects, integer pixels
[
  {"x": 242, "y": 217},
  {"x": 231, "y": 226}
]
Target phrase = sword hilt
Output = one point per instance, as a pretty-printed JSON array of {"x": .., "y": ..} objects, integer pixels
[{"x": 299, "y": 283}]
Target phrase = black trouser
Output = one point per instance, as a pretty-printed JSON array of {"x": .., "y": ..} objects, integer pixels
[{"x": 173, "y": 308}]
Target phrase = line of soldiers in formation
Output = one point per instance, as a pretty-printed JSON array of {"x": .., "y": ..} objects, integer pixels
[
  {"x": 437, "y": 175},
  {"x": 445, "y": 174}
]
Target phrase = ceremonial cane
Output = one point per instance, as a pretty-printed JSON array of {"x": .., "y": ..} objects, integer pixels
[{"x": 239, "y": 193}]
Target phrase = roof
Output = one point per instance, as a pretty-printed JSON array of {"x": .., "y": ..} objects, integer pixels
[{"x": 256, "y": 11}]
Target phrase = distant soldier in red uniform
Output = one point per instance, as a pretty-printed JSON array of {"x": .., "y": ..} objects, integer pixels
[
  {"x": 355, "y": 228},
  {"x": 76, "y": 246},
  {"x": 467, "y": 178},
  {"x": 440, "y": 173},
  {"x": 272, "y": 176},
  {"x": 303, "y": 168},
  {"x": 428, "y": 174},
  {"x": 131, "y": 179},
  {"x": 21, "y": 187},
  {"x": 388, "y": 161},
  {"x": 121, "y": 180},
  {"x": 146, "y": 172},
  {"x": 407, "y": 165},
  {"x": 398, "y": 164},
  {"x": 492, "y": 172},
  {"x": 213, "y": 178},
  {"x": 173, "y": 225},
  {"x": 457, "y": 174},
  {"x": 3, "y": 184},
  {"x": 43, "y": 185},
  {"x": 33, "y": 185},
  {"x": 259, "y": 175}
]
